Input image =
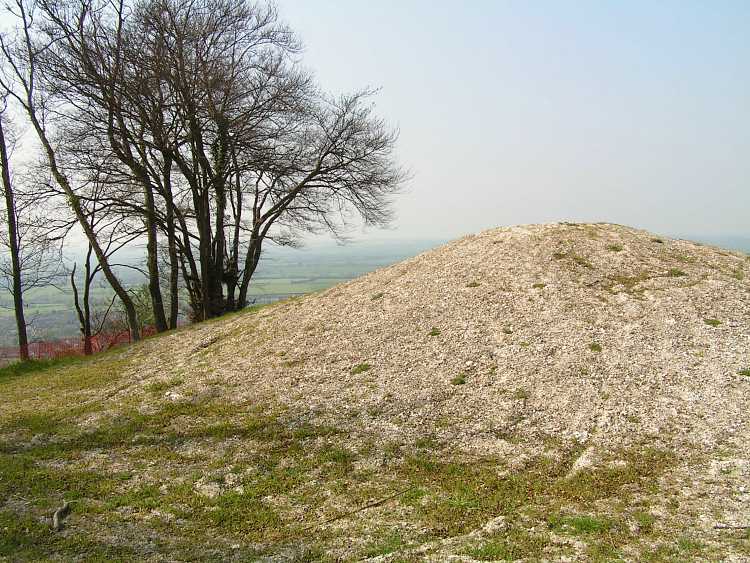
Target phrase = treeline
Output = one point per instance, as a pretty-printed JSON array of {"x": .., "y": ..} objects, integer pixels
[{"x": 188, "y": 124}]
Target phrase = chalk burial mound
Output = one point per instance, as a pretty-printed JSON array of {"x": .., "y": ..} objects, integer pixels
[{"x": 596, "y": 333}]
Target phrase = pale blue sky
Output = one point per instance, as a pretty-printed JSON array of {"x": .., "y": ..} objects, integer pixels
[
  {"x": 523, "y": 112},
  {"x": 520, "y": 111}
]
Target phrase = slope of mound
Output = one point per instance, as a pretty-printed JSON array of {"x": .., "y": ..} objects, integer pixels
[
  {"x": 594, "y": 333},
  {"x": 559, "y": 392}
]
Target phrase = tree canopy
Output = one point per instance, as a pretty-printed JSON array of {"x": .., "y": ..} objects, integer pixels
[{"x": 192, "y": 125}]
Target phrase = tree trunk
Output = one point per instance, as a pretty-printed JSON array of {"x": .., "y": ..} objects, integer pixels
[
  {"x": 10, "y": 205},
  {"x": 219, "y": 249},
  {"x": 84, "y": 313},
  {"x": 231, "y": 273},
  {"x": 174, "y": 264},
  {"x": 211, "y": 290},
  {"x": 88, "y": 348},
  {"x": 251, "y": 262},
  {"x": 219, "y": 184},
  {"x": 154, "y": 288},
  {"x": 87, "y": 337},
  {"x": 189, "y": 269}
]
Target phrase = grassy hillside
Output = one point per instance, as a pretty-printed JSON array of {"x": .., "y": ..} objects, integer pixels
[{"x": 200, "y": 479}]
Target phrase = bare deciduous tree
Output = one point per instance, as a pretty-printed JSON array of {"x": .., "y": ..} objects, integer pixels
[
  {"x": 31, "y": 258},
  {"x": 20, "y": 79},
  {"x": 205, "y": 132},
  {"x": 91, "y": 324},
  {"x": 11, "y": 218}
]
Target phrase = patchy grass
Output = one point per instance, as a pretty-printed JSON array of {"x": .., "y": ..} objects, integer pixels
[
  {"x": 604, "y": 481},
  {"x": 688, "y": 545},
  {"x": 573, "y": 257},
  {"x": 460, "y": 379},
  {"x": 377, "y": 296},
  {"x": 361, "y": 368},
  {"x": 208, "y": 479},
  {"x": 579, "y": 524},
  {"x": 335, "y": 454},
  {"x": 390, "y": 543},
  {"x": 745, "y": 372},
  {"x": 29, "y": 538},
  {"x": 284, "y": 463},
  {"x": 645, "y": 522},
  {"x": 267, "y": 467},
  {"x": 434, "y": 332},
  {"x": 630, "y": 284},
  {"x": 510, "y": 546},
  {"x": 458, "y": 497},
  {"x": 293, "y": 362},
  {"x": 539, "y": 285},
  {"x": 581, "y": 261},
  {"x": 615, "y": 247},
  {"x": 158, "y": 387},
  {"x": 712, "y": 322},
  {"x": 595, "y": 347},
  {"x": 150, "y": 473},
  {"x": 429, "y": 442},
  {"x": 675, "y": 273},
  {"x": 18, "y": 369}
]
